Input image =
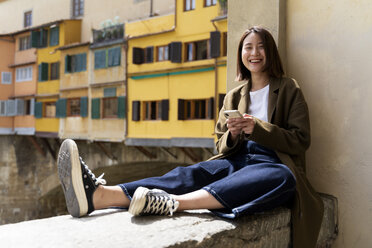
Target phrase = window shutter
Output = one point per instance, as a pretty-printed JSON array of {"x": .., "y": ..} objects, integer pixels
[
  {"x": 32, "y": 106},
  {"x": 44, "y": 71},
  {"x": 54, "y": 36},
  {"x": 138, "y": 55},
  {"x": 2, "y": 108},
  {"x": 136, "y": 107},
  {"x": 114, "y": 56},
  {"x": 11, "y": 108},
  {"x": 149, "y": 54},
  {"x": 181, "y": 109},
  {"x": 84, "y": 106},
  {"x": 20, "y": 105},
  {"x": 175, "y": 52},
  {"x": 67, "y": 63},
  {"x": 83, "y": 62},
  {"x": 99, "y": 59},
  {"x": 38, "y": 110},
  {"x": 121, "y": 106},
  {"x": 221, "y": 97},
  {"x": 96, "y": 108},
  {"x": 165, "y": 110},
  {"x": 215, "y": 44},
  {"x": 43, "y": 42},
  {"x": 35, "y": 37},
  {"x": 211, "y": 108},
  {"x": 61, "y": 106}
]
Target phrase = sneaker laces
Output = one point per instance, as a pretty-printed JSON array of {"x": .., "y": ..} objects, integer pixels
[
  {"x": 98, "y": 180},
  {"x": 161, "y": 204}
]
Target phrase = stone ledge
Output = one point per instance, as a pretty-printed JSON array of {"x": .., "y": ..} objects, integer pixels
[{"x": 117, "y": 228}]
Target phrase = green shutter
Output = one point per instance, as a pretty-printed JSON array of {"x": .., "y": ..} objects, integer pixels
[
  {"x": 121, "y": 107},
  {"x": 43, "y": 41},
  {"x": 44, "y": 71},
  {"x": 67, "y": 63},
  {"x": 54, "y": 36},
  {"x": 96, "y": 108},
  {"x": 39, "y": 73},
  {"x": 35, "y": 36},
  {"x": 99, "y": 59},
  {"x": 83, "y": 58},
  {"x": 114, "y": 56},
  {"x": 61, "y": 106},
  {"x": 38, "y": 110},
  {"x": 84, "y": 106}
]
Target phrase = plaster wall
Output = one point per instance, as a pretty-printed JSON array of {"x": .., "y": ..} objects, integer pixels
[{"x": 329, "y": 54}]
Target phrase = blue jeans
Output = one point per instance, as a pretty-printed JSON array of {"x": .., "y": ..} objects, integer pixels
[{"x": 251, "y": 180}]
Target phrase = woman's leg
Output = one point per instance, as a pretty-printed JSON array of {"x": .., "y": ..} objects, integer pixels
[{"x": 199, "y": 199}]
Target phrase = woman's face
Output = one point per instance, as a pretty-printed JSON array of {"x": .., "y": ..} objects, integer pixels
[{"x": 253, "y": 53}]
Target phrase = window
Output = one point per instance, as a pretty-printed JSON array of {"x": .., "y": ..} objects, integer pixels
[
  {"x": 39, "y": 38},
  {"x": 24, "y": 74},
  {"x": 77, "y": 8},
  {"x": 110, "y": 107},
  {"x": 49, "y": 109},
  {"x": 27, "y": 19},
  {"x": 76, "y": 63},
  {"x": 107, "y": 58},
  {"x": 195, "y": 109},
  {"x": 73, "y": 107},
  {"x": 25, "y": 43},
  {"x": 151, "y": 110},
  {"x": 54, "y": 36},
  {"x": 6, "y": 77},
  {"x": 189, "y": 5},
  {"x": 54, "y": 71},
  {"x": 2, "y": 108},
  {"x": 209, "y": 3},
  {"x": 162, "y": 53},
  {"x": 43, "y": 72},
  {"x": 197, "y": 50}
]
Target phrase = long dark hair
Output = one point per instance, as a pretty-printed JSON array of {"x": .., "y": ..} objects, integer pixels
[{"x": 273, "y": 63}]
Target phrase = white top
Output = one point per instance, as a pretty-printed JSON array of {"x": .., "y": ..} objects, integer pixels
[{"x": 259, "y": 103}]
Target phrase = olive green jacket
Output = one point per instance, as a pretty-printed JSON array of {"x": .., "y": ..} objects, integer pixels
[{"x": 288, "y": 133}]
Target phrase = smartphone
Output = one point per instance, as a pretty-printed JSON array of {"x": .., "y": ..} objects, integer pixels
[{"x": 232, "y": 114}]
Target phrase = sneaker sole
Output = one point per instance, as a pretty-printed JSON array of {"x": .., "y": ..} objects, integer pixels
[
  {"x": 138, "y": 201},
  {"x": 69, "y": 172}
]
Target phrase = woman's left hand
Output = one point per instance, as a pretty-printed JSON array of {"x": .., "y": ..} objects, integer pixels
[{"x": 246, "y": 124}]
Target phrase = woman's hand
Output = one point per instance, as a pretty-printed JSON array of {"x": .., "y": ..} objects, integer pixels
[{"x": 237, "y": 125}]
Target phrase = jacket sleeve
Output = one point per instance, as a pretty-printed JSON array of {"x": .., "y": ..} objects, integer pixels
[
  {"x": 293, "y": 137},
  {"x": 224, "y": 144}
]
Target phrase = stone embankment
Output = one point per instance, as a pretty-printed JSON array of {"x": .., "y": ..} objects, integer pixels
[{"x": 117, "y": 228}]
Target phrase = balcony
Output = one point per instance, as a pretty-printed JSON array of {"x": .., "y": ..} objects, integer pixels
[{"x": 108, "y": 35}]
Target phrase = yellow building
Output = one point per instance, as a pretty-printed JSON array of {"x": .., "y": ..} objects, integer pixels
[
  {"x": 177, "y": 76},
  {"x": 47, "y": 39}
]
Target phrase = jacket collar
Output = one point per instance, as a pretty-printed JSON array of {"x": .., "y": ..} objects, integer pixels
[{"x": 273, "y": 96}]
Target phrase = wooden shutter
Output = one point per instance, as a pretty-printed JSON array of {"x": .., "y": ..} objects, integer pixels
[
  {"x": 138, "y": 55},
  {"x": 121, "y": 107},
  {"x": 136, "y": 108},
  {"x": 114, "y": 55},
  {"x": 83, "y": 62},
  {"x": 149, "y": 54},
  {"x": 99, "y": 59},
  {"x": 54, "y": 36},
  {"x": 84, "y": 106},
  {"x": 43, "y": 42},
  {"x": 215, "y": 44},
  {"x": 221, "y": 97},
  {"x": 165, "y": 110},
  {"x": 96, "y": 108},
  {"x": 61, "y": 108},
  {"x": 181, "y": 109},
  {"x": 35, "y": 37},
  {"x": 44, "y": 71},
  {"x": 67, "y": 63},
  {"x": 211, "y": 108},
  {"x": 175, "y": 52},
  {"x": 38, "y": 110}
]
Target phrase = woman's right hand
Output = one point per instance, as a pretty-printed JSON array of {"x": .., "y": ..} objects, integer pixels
[{"x": 237, "y": 125}]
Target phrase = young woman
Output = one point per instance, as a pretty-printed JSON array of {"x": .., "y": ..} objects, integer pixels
[{"x": 260, "y": 164}]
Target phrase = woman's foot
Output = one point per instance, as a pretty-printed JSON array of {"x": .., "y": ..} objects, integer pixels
[
  {"x": 78, "y": 182},
  {"x": 153, "y": 201}
]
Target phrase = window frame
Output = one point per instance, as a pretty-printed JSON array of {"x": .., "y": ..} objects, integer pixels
[
  {"x": 24, "y": 44},
  {"x": 77, "y": 8},
  {"x": 54, "y": 70},
  {"x": 27, "y": 18},
  {"x": 28, "y": 69},
  {"x": 108, "y": 116},
  {"x": 164, "y": 52},
  {"x": 69, "y": 112},
  {"x": 45, "y": 109},
  {"x": 6, "y": 74},
  {"x": 211, "y": 3},
  {"x": 147, "y": 110},
  {"x": 189, "y": 5},
  {"x": 194, "y": 50}
]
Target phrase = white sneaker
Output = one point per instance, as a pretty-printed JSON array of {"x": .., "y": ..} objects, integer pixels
[{"x": 153, "y": 201}]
